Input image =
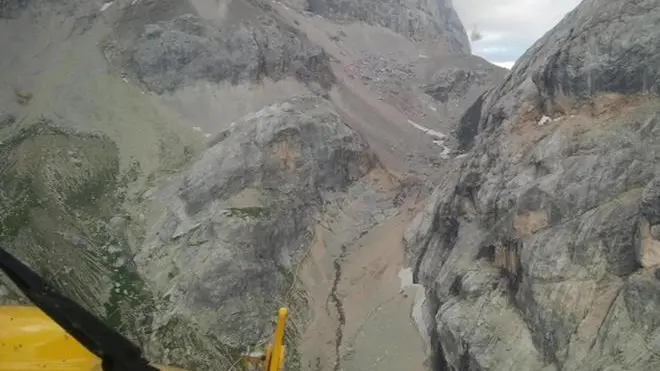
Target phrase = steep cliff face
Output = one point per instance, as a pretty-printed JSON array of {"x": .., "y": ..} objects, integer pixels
[
  {"x": 598, "y": 48},
  {"x": 538, "y": 252},
  {"x": 419, "y": 20}
]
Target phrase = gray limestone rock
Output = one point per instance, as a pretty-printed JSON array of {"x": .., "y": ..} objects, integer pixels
[
  {"x": 453, "y": 82},
  {"x": 244, "y": 214},
  {"x": 420, "y": 20},
  {"x": 565, "y": 211},
  {"x": 563, "y": 236},
  {"x": 281, "y": 147},
  {"x": 457, "y": 82},
  {"x": 600, "y": 47},
  {"x": 173, "y": 53}
]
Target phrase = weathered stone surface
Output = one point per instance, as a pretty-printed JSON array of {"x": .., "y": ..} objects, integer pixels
[
  {"x": 416, "y": 19},
  {"x": 173, "y": 53},
  {"x": 453, "y": 82},
  {"x": 600, "y": 47},
  {"x": 456, "y": 83},
  {"x": 583, "y": 52},
  {"x": 245, "y": 212},
  {"x": 564, "y": 211},
  {"x": 577, "y": 230}
]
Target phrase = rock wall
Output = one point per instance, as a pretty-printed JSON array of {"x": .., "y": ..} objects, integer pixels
[
  {"x": 419, "y": 20},
  {"x": 600, "y": 47},
  {"x": 538, "y": 251}
]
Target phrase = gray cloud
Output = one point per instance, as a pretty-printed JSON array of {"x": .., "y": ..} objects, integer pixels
[{"x": 509, "y": 27}]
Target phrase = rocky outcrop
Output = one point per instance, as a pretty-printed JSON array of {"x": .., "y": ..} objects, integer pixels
[
  {"x": 243, "y": 215},
  {"x": 649, "y": 231},
  {"x": 456, "y": 82},
  {"x": 175, "y": 52},
  {"x": 419, "y": 20},
  {"x": 539, "y": 251},
  {"x": 600, "y": 47}
]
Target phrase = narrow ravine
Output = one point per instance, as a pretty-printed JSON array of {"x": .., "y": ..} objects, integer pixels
[
  {"x": 339, "y": 306},
  {"x": 361, "y": 311}
]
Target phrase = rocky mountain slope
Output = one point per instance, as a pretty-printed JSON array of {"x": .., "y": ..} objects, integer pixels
[
  {"x": 182, "y": 168},
  {"x": 539, "y": 252},
  {"x": 417, "y": 20}
]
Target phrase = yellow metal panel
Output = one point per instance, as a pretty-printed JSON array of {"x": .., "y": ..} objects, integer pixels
[{"x": 31, "y": 341}]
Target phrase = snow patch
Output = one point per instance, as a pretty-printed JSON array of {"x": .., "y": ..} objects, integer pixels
[
  {"x": 406, "y": 277},
  {"x": 106, "y": 6},
  {"x": 419, "y": 311},
  {"x": 420, "y": 315},
  {"x": 199, "y": 130},
  {"x": 433, "y": 133},
  {"x": 544, "y": 120}
]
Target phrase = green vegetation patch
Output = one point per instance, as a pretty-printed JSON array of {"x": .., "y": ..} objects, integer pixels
[
  {"x": 15, "y": 206},
  {"x": 247, "y": 212},
  {"x": 129, "y": 298}
]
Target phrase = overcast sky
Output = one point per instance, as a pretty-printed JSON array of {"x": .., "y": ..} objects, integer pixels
[{"x": 509, "y": 27}]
